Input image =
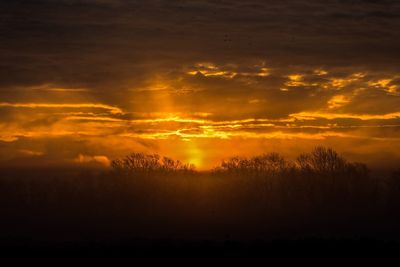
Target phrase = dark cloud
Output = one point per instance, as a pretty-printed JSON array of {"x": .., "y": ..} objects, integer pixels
[{"x": 92, "y": 42}]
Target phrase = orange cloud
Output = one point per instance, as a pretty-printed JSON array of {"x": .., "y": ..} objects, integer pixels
[
  {"x": 338, "y": 101},
  {"x": 325, "y": 115},
  {"x": 112, "y": 109}
]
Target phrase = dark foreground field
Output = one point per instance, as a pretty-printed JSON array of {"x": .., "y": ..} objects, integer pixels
[{"x": 145, "y": 202}]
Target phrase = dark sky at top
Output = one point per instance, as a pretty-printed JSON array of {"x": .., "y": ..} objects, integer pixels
[{"x": 96, "y": 42}]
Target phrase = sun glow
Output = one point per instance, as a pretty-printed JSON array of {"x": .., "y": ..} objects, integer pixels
[{"x": 195, "y": 155}]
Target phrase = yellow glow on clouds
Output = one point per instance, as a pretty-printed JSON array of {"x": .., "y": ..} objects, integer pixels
[
  {"x": 338, "y": 101},
  {"x": 154, "y": 118},
  {"x": 112, "y": 109}
]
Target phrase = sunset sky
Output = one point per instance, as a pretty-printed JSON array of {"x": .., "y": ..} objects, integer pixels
[{"x": 85, "y": 81}]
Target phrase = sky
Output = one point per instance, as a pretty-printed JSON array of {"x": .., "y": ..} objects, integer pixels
[{"x": 87, "y": 81}]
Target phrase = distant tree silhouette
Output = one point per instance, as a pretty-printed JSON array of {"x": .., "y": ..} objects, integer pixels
[
  {"x": 149, "y": 163},
  {"x": 322, "y": 161},
  {"x": 265, "y": 164}
]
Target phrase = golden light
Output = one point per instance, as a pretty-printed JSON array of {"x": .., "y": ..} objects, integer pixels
[{"x": 195, "y": 155}]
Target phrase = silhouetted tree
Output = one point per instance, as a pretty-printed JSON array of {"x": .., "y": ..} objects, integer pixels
[
  {"x": 262, "y": 165},
  {"x": 322, "y": 161},
  {"x": 141, "y": 163}
]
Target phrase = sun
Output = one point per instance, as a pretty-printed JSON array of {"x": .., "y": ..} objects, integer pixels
[{"x": 195, "y": 155}]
